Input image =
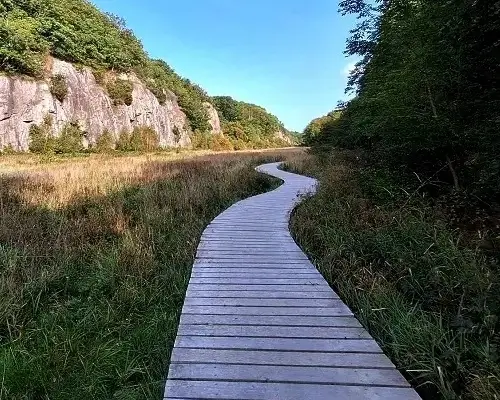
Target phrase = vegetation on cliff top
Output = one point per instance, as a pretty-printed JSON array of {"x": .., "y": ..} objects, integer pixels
[
  {"x": 77, "y": 32},
  {"x": 246, "y": 123}
]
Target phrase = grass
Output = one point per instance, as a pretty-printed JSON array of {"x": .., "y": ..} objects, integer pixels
[
  {"x": 95, "y": 257},
  {"x": 430, "y": 298}
]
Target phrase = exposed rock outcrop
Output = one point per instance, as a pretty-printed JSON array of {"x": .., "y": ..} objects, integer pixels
[
  {"x": 213, "y": 118},
  {"x": 24, "y": 102},
  {"x": 284, "y": 137}
]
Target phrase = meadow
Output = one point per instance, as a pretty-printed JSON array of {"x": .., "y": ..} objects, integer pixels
[{"x": 95, "y": 257}]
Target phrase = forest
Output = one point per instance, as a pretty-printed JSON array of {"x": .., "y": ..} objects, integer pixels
[
  {"x": 406, "y": 224},
  {"x": 426, "y": 91}
]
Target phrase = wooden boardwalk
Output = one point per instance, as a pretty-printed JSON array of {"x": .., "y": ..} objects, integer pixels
[{"x": 260, "y": 322}]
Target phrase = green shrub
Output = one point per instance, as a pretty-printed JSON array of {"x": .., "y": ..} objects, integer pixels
[
  {"x": 123, "y": 142},
  {"x": 8, "y": 150},
  {"x": 120, "y": 91},
  {"x": 59, "y": 87},
  {"x": 200, "y": 140},
  {"x": 99, "y": 76},
  {"x": 70, "y": 139},
  {"x": 141, "y": 138},
  {"x": 41, "y": 137},
  {"x": 104, "y": 143}
]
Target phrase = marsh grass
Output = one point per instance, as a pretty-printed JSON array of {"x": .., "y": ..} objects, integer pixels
[
  {"x": 95, "y": 257},
  {"x": 429, "y": 298}
]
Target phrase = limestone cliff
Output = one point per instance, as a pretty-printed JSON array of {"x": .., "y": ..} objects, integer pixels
[
  {"x": 24, "y": 102},
  {"x": 213, "y": 118}
]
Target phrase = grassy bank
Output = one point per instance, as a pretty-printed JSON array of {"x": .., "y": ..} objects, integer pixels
[
  {"x": 430, "y": 297},
  {"x": 94, "y": 262}
]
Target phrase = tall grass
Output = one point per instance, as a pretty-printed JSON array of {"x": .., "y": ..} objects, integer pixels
[
  {"x": 94, "y": 265},
  {"x": 430, "y": 299}
]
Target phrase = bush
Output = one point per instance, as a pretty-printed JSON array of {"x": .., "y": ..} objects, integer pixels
[
  {"x": 59, "y": 87},
  {"x": 123, "y": 142},
  {"x": 200, "y": 140},
  {"x": 8, "y": 150},
  {"x": 239, "y": 144},
  {"x": 220, "y": 143},
  {"x": 70, "y": 139},
  {"x": 120, "y": 91},
  {"x": 41, "y": 138},
  {"x": 104, "y": 143},
  {"x": 142, "y": 138}
]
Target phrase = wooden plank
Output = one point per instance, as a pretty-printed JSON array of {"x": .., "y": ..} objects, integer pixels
[
  {"x": 259, "y": 302},
  {"x": 265, "y": 320},
  {"x": 261, "y": 294},
  {"x": 209, "y": 390},
  {"x": 294, "y": 374},
  {"x": 282, "y": 288},
  {"x": 283, "y": 265},
  {"x": 273, "y": 331},
  {"x": 340, "y": 310},
  {"x": 251, "y": 272},
  {"x": 310, "y": 281},
  {"x": 277, "y": 358},
  {"x": 285, "y": 344},
  {"x": 245, "y": 251}
]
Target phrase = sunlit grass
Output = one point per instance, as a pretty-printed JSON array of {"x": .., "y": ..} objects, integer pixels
[{"x": 95, "y": 257}]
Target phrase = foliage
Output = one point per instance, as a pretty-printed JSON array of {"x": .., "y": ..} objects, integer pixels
[
  {"x": 320, "y": 127},
  {"x": 142, "y": 138},
  {"x": 220, "y": 143},
  {"x": 70, "y": 139},
  {"x": 78, "y": 32},
  {"x": 43, "y": 140},
  {"x": 247, "y": 123},
  {"x": 59, "y": 87},
  {"x": 120, "y": 91},
  {"x": 427, "y": 90},
  {"x": 41, "y": 137},
  {"x": 429, "y": 299},
  {"x": 104, "y": 143}
]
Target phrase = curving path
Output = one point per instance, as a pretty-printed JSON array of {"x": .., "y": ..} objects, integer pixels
[{"x": 260, "y": 322}]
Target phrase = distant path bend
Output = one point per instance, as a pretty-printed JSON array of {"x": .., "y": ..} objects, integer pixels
[{"x": 260, "y": 322}]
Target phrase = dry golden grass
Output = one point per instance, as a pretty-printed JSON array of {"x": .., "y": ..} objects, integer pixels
[
  {"x": 95, "y": 257},
  {"x": 57, "y": 181}
]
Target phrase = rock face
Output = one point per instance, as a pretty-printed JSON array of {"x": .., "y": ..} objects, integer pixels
[
  {"x": 213, "y": 118},
  {"x": 24, "y": 102},
  {"x": 286, "y": 138}
]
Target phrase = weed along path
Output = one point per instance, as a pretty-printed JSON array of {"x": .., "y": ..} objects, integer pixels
[{"x": 260, "y": 322}]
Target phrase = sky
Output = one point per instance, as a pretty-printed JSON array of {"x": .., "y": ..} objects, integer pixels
[{"x": 284, "y": 55}]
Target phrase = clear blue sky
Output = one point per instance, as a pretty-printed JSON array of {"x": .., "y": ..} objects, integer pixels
[{"x": 285, "y": 55}]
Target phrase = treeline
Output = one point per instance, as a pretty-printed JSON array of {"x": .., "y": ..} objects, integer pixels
[
  {"x": 427, "y": 97},
  {"x": 77, "y": 32},
  {"x": 248, "y": 125},
  {"x": 408, "y": 229}
]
